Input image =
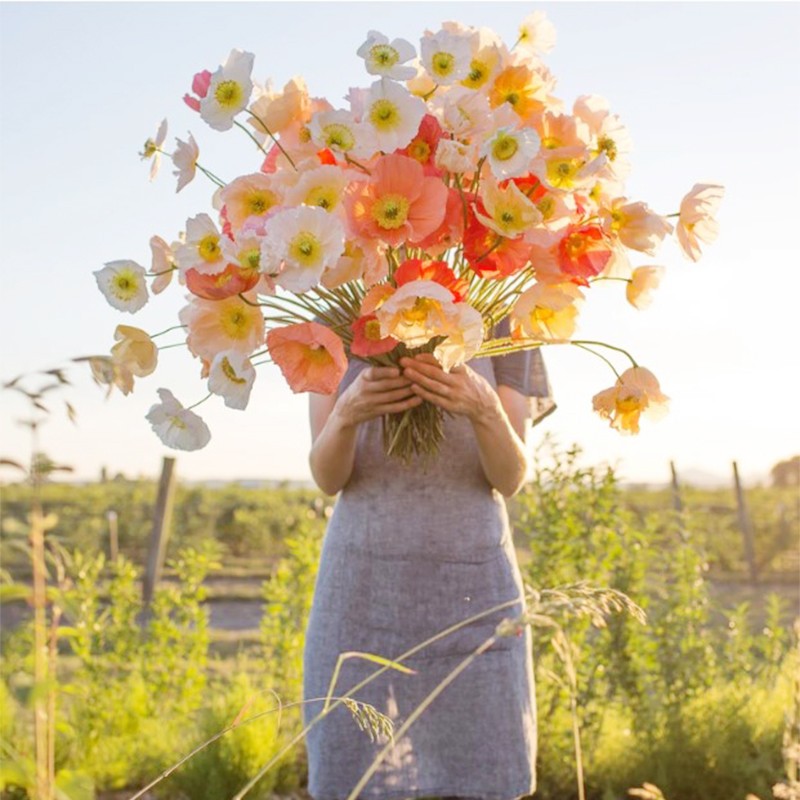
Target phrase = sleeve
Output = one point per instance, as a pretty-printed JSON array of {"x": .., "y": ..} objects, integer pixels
[{"x": 525, "y": 371}]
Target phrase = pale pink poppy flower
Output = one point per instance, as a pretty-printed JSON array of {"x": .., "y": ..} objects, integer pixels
[
  {"x": 455, "y": 156},
  {"x": 216, "y": 325},
  {"x": 644, "y": 281},
  {"x": 609, "y": 135},
  {"x": 176, "y": 426},
  {"x": 416, "y": 312},
  {"x": 231, "y": 376},
  {"x": 185, "y": 159},
  {"x": 162, "y": 264},
  {"x": 463, "y": 112},
  {"x": 200, "y": 84},
  {"x": 696, "y": 221},
  {"x": 635, "y": 393},
  {"x": 311, "y": 356},
  {"x": 362, "y": 259}
]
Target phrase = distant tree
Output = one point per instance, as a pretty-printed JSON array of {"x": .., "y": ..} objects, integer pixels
[{"x": 786, "y": 474}]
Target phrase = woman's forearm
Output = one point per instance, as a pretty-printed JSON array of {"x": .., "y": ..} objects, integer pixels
[
  {"x": 332, "y": 454},
  {"x": 502, "y": 453}
]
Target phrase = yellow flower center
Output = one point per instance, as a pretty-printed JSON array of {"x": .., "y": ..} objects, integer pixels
[
  {"x": 420, "y": 311},
  {"x": 338, "y": 137},
  {"x": 304, "y": 134},
  {"x": 628, "y": 404},
  {"x": 229, "y": 94},
  {"x": 323, "y": 196},
  {"x": 512, "y": 98},
  {"x": 574, "y": 245},
  {"x": 125, "y": 285},
  {"x": 420, "y": 150},
  {"x": 229, "y": 372},
  {"x": 235, "y": 322},
  {"x": 259, "y": 201},
  {"x": 443, "y": 63},
  {"x": 384, "y": 114},
  {"x": 150, "y": 149},
  {"x": 384, "y": 55},
  {"x": 542, "y": 314},
  {"x": 208, "y": 248},
  {"x": 178, "y": 422},
  {"x": 546, "y": 206},
  {"x": 478, "y": 75},
  {"x": 318, "y": 355},
  {"x": 305, "y": 249},
  {"x": 390, "y": 211},
  {"x": 551, "y": 143},
  {"x": 608, "y": 146},
  {"x": 561, "y": 171},
  {"x": 372, "y": 330},
  {"x": 250, "y": 259},
  {"x": 617, "y": 220},
  {"x": 504, "y": 147}
]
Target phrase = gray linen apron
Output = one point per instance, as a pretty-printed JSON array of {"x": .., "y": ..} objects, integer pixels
[{"x": 409, "y": 551}]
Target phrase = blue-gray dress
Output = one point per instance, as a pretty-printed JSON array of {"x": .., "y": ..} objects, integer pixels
[{"x": 409, "y": 551}]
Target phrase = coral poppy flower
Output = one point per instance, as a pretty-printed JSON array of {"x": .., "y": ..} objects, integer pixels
[
  {"x": 491, "y": 255},
  {"x": 423, "y": 146},
  {"x": 399, "y": 204},
  {"x": 375, "y": 296},
  {"x": 451, "y": 231},
  {"x": 310, "y": 356},
  {"x": 415, "y": 269},
  {"x": 583, "y": 253},
  {"x": 367, "y": 339},
  {"x": 200, "y": 84},
  {"x": 636, "y": 392},
  {"x": 231, "y": 281}
]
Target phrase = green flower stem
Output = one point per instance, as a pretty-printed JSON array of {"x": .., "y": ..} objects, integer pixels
[
  {"x": 166, "y": 330},
  {"x": 609, "y": 346},
  {"x": 210, "y": 175},
  {"x": 198, "y": 402},
  {"x": 270, "y": 134},
  {"x": 167, "y": 346}
]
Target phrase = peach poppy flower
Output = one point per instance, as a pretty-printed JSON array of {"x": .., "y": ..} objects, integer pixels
[
  {"x": 135, "y": 350},
  {"x": 636, "y": 392},
  {"x": 451, "y": 230},
  {"x": 250, "y": 196},
  {"x": 367, "y": 338},
  {"x": 162, "y": 264},
  {"x": 417, "y": 312},
  {"x": 547, "y": 312},
  {"x": 311, "y": 356},
  {"x": 399, "y": 204},
  {"x": 636, "y": 225},
  {"x": 583, "y": 252},
  {"x": 509, "y": 212},
  {"x": 696, "y": 221},
  {"x": 609, "y": 135},
  {"x": 464, "y": 337},
  {"x": 525, "y": 90},
  {"x": 278, "y": 110},
  {"x": 644, "y": 281},
  {"x": 375, "y": 297},
  {"x": 216, "y": 325},
  {"x": 362, "y": 259}
]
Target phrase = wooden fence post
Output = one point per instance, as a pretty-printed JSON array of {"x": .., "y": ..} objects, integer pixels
[
  {"x": 160, "y": 534},
  {"x": 745, "y": 526},
  {"x": 113, "y": 535},
  {"x": 677, "y": 504}
]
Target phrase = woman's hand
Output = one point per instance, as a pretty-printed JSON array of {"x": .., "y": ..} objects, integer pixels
[
  {"x": 334, "y": 421},
  {"x": 497, "y": 417},
  {"x": 460, "y": 391},
  {"x": 374, "y": 392}
]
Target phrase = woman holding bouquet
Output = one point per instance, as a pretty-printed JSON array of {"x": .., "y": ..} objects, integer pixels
[{"x": 411, "y": 549}]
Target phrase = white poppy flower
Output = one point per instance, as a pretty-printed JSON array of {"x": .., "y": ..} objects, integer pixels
[
  {"x": 387, "y": 58},
  {"x": 393, "y": 114},
  {"x": 176, "y": 426},
  {"x": 339, "y": 132},
  {"x": 229, "y": 91},
  {"x": 152, "y": 149},
  {"x": 201, "y": 250},
  {"x": 305, "y": 240},
  {"x": 510, "y": 151},
  {"x": 446, "y": 55},
  {"x": 123, "y": 284},
  {"x": 231, "y": 375}
]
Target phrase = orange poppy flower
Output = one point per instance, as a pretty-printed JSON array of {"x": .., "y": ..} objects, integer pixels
[
  {"x": 367, "y": 339},
  {"x": 415, "y": 269}
]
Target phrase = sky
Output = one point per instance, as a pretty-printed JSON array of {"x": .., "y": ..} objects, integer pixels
[{"x": 708, "y": 91}]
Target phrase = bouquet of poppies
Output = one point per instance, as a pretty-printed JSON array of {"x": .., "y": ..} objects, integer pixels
[{"x": 453, "y": 191}]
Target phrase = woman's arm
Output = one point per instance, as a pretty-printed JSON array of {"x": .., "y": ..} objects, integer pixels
[
  {"x": 334, "y": 421},
  {"x": 498, "y": 417}
]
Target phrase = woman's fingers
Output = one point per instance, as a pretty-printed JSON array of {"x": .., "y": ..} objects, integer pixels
[
  {"x": 393, "y": 408},
  {"x": 433, "y": 397}
]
